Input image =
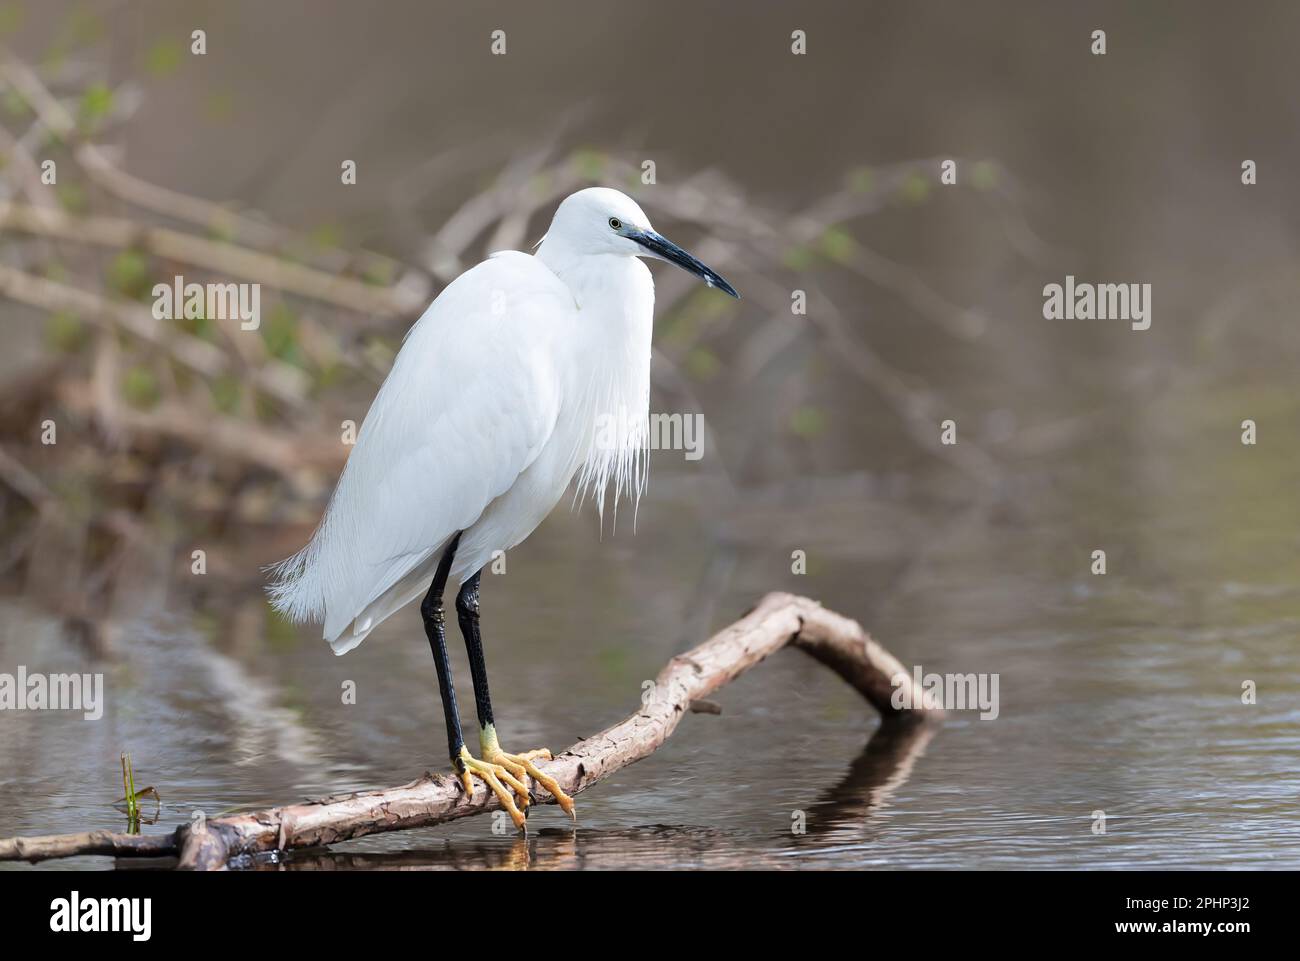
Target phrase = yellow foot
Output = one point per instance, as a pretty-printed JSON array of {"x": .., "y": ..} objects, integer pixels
[
  {"x": 522, "y": 764},
  {"x": 494, "y": 774},
  {"x": 513, "y": 769}
]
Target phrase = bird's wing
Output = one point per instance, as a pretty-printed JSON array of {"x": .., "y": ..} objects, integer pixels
[{"x": 469, "y": 404}]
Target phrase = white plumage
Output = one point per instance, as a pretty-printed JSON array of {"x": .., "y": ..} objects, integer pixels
[{"x": 525, "y": 371}]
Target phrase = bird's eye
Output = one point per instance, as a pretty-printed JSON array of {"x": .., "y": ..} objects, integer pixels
[{"x": 615, "y": 223}]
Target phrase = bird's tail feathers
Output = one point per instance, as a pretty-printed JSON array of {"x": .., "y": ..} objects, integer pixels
[{"x": 296, "y": 590}]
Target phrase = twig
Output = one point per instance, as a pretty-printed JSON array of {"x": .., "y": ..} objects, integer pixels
[
  {"x": 92, "y": 842},
  {"x": 282, "y": 381},
  {"x": 25, "y": 169},
  {"x": 15, "y": 475},
  {"x": 57, "y": 119},
  {"x": 221, "y": 258},
  {"x": 780, "y": 620},
  {"x": 237, "y": 441}
]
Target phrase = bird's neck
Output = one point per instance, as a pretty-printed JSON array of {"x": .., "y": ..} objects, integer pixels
[
  {"x": 610, "y": 366},
  {"x": 605, "y": 281},
  {"x": 558, "y": 256}
]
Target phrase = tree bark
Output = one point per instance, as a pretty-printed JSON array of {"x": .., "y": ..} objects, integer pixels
[{"x": 778, "y": 621}]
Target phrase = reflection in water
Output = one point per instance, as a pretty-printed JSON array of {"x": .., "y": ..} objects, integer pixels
[
  {"x": 875, "y": 776},
  {"x": 655, "y": 847},
  {"x": 843, "y": 811}
]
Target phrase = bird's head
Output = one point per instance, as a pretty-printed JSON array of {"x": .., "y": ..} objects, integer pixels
[{"x": 599, "y": 220}]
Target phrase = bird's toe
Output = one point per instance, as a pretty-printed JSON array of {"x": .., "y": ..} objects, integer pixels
[
  {"x": 497, "y": 777},
  {"x": 524, "y": 763}
]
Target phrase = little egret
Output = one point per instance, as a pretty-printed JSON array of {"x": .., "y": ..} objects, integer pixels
[{"x": 526, "y": 371}]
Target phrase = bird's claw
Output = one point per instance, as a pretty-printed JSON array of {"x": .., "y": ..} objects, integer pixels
[
  {"x": 521, "y": 766},
  {"x": 496, "y": 776},
  {"x": 500, "y": 770}
]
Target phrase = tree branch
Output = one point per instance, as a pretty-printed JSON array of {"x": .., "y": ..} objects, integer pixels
[
  {"x": 412, "y": 290},
  {"x": 216, "y": 256},
  {"x": 780, "y": 620},
  {"x": 284, "y": 382}
]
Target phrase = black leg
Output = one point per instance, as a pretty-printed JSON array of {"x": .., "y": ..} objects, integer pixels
[
  {"x": 520, "y": 766},
  {"x": 467, "y": 614},
  {"x": 431, "y": 611}
]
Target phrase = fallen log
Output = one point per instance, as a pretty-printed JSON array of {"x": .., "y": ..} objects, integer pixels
[{"x": 778, "y": 621}]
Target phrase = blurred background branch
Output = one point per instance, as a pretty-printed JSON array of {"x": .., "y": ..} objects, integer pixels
[{"x": 164, "y": 411}]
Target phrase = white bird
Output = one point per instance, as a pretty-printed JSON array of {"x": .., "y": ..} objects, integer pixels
[{"x": 526, "y": 371}]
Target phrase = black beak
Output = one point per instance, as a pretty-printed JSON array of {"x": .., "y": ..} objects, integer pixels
[{"x": 664, "y": 249}]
